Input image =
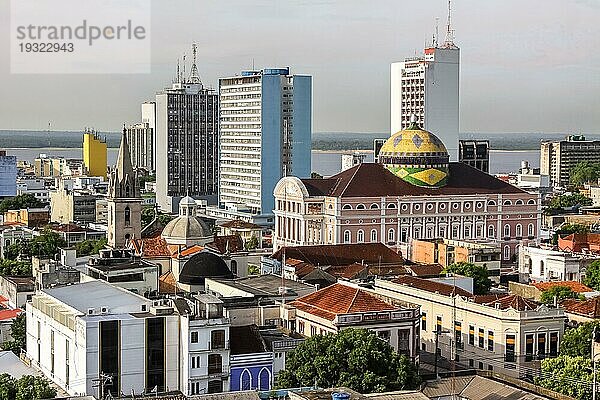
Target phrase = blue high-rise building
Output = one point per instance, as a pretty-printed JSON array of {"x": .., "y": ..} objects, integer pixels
[
  {"x": 265, "y": 134},
  {"x": 8, "y": 175}
]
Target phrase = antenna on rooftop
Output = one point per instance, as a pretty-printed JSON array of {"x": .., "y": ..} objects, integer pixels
[
  {"x": 194, "y": 77},
  {"x": 437, "y": 32},
  {"x": 177, "y": 78},
  {"x": 183, "y": 70},
  {"x": 449, "y": 31}
]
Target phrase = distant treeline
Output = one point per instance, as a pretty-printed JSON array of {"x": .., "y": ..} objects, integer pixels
[{"x": 320, "y": 140}]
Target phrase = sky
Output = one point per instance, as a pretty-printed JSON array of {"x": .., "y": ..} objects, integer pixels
[{"x": 526, "y": 65}]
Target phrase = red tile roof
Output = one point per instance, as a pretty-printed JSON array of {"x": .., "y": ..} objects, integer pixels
[
  {"x": 9, "y": 314},
  {"x": 574, "y": 286},
  {"x": 3, "y": 299},
  {"x": 371, "y": 180},
  {"x": 340, "y": 299},
  {"x": 425, "y": 269},
  {"x": 431, "y": 286},
  {"x": 227, "y": 243},
  {"x": 588, "y": 308},
  {"x": 342, "y": 254},
  {"x": 513, "y": 301},
  {"x": 189, "y": 251},
  {"x": 347, "y": 271},
  {"x": 239, "y": 224},
  {"x": 154, "y": 247},
  {"x": 167, "y": 283}
]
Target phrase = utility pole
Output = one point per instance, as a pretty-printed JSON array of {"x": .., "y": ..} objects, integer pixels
[{"x": 435, "y": 356}]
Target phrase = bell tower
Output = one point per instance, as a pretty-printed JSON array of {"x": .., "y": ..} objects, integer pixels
[{"x": 124, "y": 201}]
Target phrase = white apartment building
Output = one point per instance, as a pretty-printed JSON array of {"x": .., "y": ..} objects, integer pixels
[
  {"x": 82, "y": 333},
  {"x": 500, "y": 333},
  {"x": 544, "y": 265},
  {"x": 427, "y": 87},
  {"x": 265, "y": 133},
  {"x": 558, "y": 158},
  {"x": 34, "y": 186},
  {"x": 205, "y": 345}
]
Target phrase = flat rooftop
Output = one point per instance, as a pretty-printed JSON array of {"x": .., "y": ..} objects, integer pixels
[
  {"x": 94, "y": 294},
  {"x": 268, "y": 285}
]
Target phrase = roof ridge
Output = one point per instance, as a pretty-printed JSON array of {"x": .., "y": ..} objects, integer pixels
[
  {"x": 350, "y": 180},
  {"x": 353, "y": 299}
]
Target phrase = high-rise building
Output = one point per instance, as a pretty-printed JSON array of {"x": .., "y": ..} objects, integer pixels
[
  {"x": 427, "y": 86},
  {"x": 140, "y": 137},
  {"x": 94, "y": 154},
  {"x": 187, "y": 142},
  {"x": 8, "y": 175},
  {"x": 266, "y": 127},
  {"x": 558, "y": 158},
  {"x": 475, "y": 153},
  {"x": 124, "y": 201}
]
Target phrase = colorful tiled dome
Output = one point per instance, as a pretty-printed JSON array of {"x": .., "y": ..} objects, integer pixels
[{"x": 417, "y": 156}]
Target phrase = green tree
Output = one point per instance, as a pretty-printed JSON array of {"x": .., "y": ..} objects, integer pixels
[
  {"x": 148, "y": 215},
  {"x": 584, "y": 172},
  {"x": 560, "y": 292},
  {"x": 353, "y": 358},
  {"x": 14, "y": 268},
  {"x": 253, "y": 269},
  {"x": 89, "y": 247},
  {"x": 18, "y": 330},
  {"x": 479, "y": 273},
  {"x": 566, "y": 200},
  {"x": 46, "y": 244},
  {"x": 592, "y": 275},
  {"x": 571, "y": 376},
  {"x": 8, "y": 387},
  {"x": 26, "y": 200},
  {"x": 252, "y": 243},
  {"x": 578, "y": 341},
  {"x": 34, "y": 387}
]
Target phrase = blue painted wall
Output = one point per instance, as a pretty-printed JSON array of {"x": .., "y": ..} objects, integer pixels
[
  {"x": 271, "y": 140},
  {"x": 255, "y": 376}
]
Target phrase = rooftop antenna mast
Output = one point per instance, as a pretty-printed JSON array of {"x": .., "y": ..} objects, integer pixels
[
  {"x": 437, "y": 32},
  {"x": 449, "y": 31},
  {"x": 183, "y": 70},
  {"x": 194, "y": 76},
  {"x": 178, "y": 75}
]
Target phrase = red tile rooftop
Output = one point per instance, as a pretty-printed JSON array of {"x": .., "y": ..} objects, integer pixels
[
  {"x": 9, "y": 314},
  {"x": 340, "y": 299},
  {"x": 431, "y": 286},
  {"x": 342, "y": 254},
  {"x": 588, "y": 308},
  {"x": 513, "y": 301},
  {"x": 575, "y": 286}
]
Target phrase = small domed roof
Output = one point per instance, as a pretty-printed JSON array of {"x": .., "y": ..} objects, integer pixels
[
  {"x": 186, "y": 227},
  {"x": 187, "y": 201},
  {"x": 203, "y": 265},
  {"x": 413, "y": 141}
]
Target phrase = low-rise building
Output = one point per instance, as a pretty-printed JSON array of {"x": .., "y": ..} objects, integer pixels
[
  {"x": 35, "y": 187},
  {"x": 11, "y": 234},
  {"x": 504, "y": 333},
  {"x": 73, "y": 233},
  {"x": 69, "y": 205},
  {"x": 342, "y": 306},
  {"x": 50, "y": 273},
  {"x": 581, "y": 311},
  {"x": 539, "y": 264},
  {"x": 81, "y": 333},
  {"x": 17, "y": 290},
  {"x": 29, "y": 217},
  {"x": 246, "y": 230},
  {"x": 447, "y": 252},
  {"x": 534, "y": 290},
  {"x": 7, "y": 317}
]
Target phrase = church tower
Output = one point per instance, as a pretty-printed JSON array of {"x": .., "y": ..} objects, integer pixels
[{"x": 124, "y": 201}]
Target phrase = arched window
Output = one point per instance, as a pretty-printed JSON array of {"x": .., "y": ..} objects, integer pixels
[
  {"x": 391, "y": 205},
  {"x": 507, "y": 252},
  {"x": 455, "y": 232},
  {"x": 507, "y": 230},
  {"x": 417, "y": 232},
  {"x": 234, "y": 267},
  {"x": 360, "y": 236},
  {"x": 391, "y": 235},
  {"x": 245, "y": 380},
  {"x": 127, "y": 216},
  {"x": 360, "y": 207},
  {"x": 542, "y": 267},
  {"x": 374, "y": 206},
  {"x": 264, "y": 379},
  {"x": 529, "y": 266},
  {"x": 373, "y": 235},
  {"x": 519, "y": 202},
  {"x": 7, "y": 242},
  {"x": 126, "y": 190},
  {"x": 531, "y": 201},
  {"x": 530, "y": 230},
  {"x": 346, "y": 207},
  {"x": 507, "y": 203},
  {"x": 491, "y": 231},
  {"x": 491, "y": 203},
  {"x": 347, "y": 236},
  {"x": 519, "y": 231}
]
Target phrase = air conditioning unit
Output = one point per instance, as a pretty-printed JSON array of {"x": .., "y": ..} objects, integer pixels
[
  {"x": 144, "y": 307},
  {"x": 104, "y": 310},
  {"x": 90, "y": 311},
  {"x": 161, "y": 310}
]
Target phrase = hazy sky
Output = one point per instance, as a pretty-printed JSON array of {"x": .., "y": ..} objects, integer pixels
[{"x": 526, "y": 65}]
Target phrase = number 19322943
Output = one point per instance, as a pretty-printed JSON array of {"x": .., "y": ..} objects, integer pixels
[{"x": 46, "y": 47}]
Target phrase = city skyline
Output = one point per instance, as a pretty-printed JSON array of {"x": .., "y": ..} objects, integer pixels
[{"x": 546, "y": 46}]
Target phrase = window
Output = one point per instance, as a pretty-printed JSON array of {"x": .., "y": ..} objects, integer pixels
[
  {"x": 553, "y": 344},
  {"x": 519, "y": 231},
  {"x": 507, "y": 252},
  {"x": 541, "y": 346},
  {"x": 471, "y": 335},
  {"x": 530, "y": 230},
  {"x": 458, "y": 334},
  {"x": 531, "y": 202},
  {"x": 360, "y": 236},
  {"x": 217, "y": 339},
  {"x": 52, "y": 352},
  {"x": 438, "y": 323},
  {"x": 491, "y": 203},
  {"x": 404, "y": 341},
  {"x": 373, "y": 235},
  {"x": 384, "y": 335},
  {"x": 509, "y": 356},
  {"x": 215, "y": 386},
  {"x": 347, "y": 237},
  {"x": 360, "y": 207},
  {"x": 127, "y": 216},
  {"x": 490, "y": 340},
  {"x": 215, "y": 364},
  {"x": 193, "y": 362},
  {"x": 313, "y": 330},
  {"x": 480, "y": 337},
  {"x": 245, "y": 379},
  {"x": 528, "y": 347},
  {"x": 519, "y": 202},
  {"x": 374, "y": 206},
  {"x": 194, "y": 338},
  {"x": 542, "y": 267},
  {"x": 346, "y": 207},
  {"x": 301, "y": 327},
  {"x": 391, "y": 235},
  {"x": 67, "y": 371},
  {"x": 424, "y": 321},
  {"x": 507, "y": 231},
  {"x": 507, "y": 203},
  {"x": 391, "y": 205},
  {"x": 491, "y": 231}
]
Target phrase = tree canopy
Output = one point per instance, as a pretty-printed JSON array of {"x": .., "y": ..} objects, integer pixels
[
  {"x": 148, "y": 216},
  {"x": 46, "y": 244},
  {"x": 26, "y": 200},
  {"x": 568, "y": 375},
  {"x": 27, "y": 387},
  {"x": 566, "y": 200},
  {"x": 89, "y": 247},
  {"x": 578, "y": 341},
  {"x": 592, "y": 275},
  {"x": 584, "y": 172},
  {"x": 353, "y": 358},
  {"x": 479, "y": 273},
  {"x": 18, "y": 331},
  {"x": 560, "y": 292},
  {"x": 14, "y": 268}
]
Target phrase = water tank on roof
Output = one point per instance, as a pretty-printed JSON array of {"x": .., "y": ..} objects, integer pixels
[{"x": 340, "y": 396}]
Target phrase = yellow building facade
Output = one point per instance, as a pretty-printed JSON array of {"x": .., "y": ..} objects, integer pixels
[{"x": 94, "y": 154}]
